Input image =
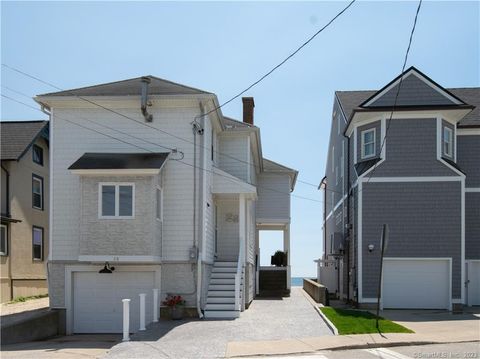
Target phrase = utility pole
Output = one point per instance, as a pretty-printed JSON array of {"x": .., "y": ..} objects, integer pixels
[{"x": 383, "y": 245}]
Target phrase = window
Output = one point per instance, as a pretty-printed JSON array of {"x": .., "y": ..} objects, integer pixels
[
  {"x": 159, "y": 204},
  {"x": 338, "y": 124},
  {"x": 37, "y": 154},
  {"x": 336, "y": 175},
  {"x": 37, "y": 243},
  {"x": 333, "y": 159},
  {"x": 116, "y": 200},
  {"x": 368, "y": 143},
  {"x": 37, "y": 192},
  {"x": 342, "y": 159},
  {"x": 447, "y": 141},
  {"x": 3, "y": 240},
  {"x": 212, "y": 148}
]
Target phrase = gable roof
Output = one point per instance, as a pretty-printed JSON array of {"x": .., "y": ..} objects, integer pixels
[
  {"x": 231, "y": 123},
  {"x": 18, "y": 136},
  {"x": 417, "y": 89},
  {"x": 271, "y": 166},
  {"x": 131, "y": 87},
  {"x": 351, "y": 101}
]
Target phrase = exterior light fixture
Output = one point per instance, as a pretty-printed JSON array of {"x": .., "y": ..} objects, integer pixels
[
  {"x": 106, "y": 268},
  {"x": 371, "y": 247}
]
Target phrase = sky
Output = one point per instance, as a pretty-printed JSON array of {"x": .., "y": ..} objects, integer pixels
[{"x": 223, "y": 47}]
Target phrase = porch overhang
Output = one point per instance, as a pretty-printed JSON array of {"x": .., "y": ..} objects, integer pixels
[{"x": 226, "y": 184}]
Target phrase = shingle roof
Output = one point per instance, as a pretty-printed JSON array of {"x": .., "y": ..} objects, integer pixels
[
  {"x": 229, "y": 122},
  {"x": 350, "y": 100},
  {"x": 104, "y": 161},
  {"x": 131, "y": 87},
  {"x": 18, "y": 136}
]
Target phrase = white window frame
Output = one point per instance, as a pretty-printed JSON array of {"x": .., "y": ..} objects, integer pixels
[
  {"x": 448, "y": 130},
  {"x": 5, "y": 227},
  {"x": 117, "y": 199},
  {"x": 159, "y": 217},
  {"x": 363, "y": 144},
  {"x": 39, "y": 180}
]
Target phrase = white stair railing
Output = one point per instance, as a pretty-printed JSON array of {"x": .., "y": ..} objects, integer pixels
[{"x": 238, "y": 274}]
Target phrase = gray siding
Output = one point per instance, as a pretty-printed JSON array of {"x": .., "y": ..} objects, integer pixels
[
  {"x": 468, "y": 158},
  {"x": 119, "y": 236},
  {"x": 414, "y": 92},
  {"x": 411, "y": 150},
  {"x": 424, "y": 220},
  {"x": 337, "y": 141},
  {"x": 472, "y": 225},
  {"x": 378, "y": 142}
]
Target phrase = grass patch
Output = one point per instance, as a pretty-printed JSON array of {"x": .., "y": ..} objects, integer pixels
[
  {"x": 24, "y": 299},
  {"x": 360, "y": 322}
]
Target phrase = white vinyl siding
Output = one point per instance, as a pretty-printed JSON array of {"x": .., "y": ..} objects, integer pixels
[
  {"x": 116, "y": 200},
  {"x": 273, "y": 196},
  {"x": 234, "y": 156},
  {"x": 368, "y": 143}
]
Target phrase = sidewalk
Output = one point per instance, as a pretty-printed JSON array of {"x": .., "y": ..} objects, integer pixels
[{"x": 431, "y": 327}]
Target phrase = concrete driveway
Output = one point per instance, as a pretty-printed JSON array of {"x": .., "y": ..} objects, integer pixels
[{"x": 266, "y": 319}]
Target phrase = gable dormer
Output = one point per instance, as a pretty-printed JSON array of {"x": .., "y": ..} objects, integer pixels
[{"x": 416, "y": 89}]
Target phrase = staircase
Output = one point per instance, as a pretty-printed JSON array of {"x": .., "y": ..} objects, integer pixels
[{"x": 221, "y": 291}]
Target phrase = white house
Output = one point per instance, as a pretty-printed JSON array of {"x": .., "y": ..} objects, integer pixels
[{"x": 152, "y": 184}]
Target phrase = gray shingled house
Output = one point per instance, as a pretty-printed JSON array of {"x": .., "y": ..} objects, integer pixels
[{"x": 420, "y": 174}]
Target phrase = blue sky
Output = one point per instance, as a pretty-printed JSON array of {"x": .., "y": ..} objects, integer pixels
[{"x": 224, "y": 46}]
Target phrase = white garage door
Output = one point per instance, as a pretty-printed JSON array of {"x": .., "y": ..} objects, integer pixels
[
  {"x": 416, "y": 283},
  {"x": 473, "y": 283},
  {"x": 97, "y": 300}
]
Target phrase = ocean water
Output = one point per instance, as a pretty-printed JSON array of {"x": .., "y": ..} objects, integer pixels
[{"x": 297, "y": 281}]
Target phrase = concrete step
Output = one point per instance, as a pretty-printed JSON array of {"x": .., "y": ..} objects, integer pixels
[
  {"x": 220, "y": 300},
  {"x": 225, "y": 264},
  {"x": 221, "y": 287},
  {"x": 219, "y": 314},
  {"x": 222, "y": 281},
  {"x": 222, "y": 306},
  {"x": 224, "y": 270}
]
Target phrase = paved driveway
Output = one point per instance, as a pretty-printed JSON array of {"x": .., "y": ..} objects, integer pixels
[{"x": 266, "y": 319}]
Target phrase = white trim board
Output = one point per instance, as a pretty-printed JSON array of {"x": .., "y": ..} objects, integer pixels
[
  {"x": 413, "y": 179},
  {"x": 472, "y": 189},
  {"x": 118, "y": 258},
  {"x": 468, "y": 132}
]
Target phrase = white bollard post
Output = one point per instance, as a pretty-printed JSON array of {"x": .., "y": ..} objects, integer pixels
[
  {"x": 155, "y": 305},
  {"x": 142, "y": 311},
  {"x": 126, "y": 320}
]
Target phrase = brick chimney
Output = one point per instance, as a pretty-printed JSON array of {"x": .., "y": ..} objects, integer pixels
[{"x": 248, "y": 105}]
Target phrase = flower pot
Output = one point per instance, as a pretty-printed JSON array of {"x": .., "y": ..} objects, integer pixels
[{"x": 177, "y": 312}]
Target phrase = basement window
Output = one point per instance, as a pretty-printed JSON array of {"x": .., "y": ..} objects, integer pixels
[{"x": 116, "y": 200}]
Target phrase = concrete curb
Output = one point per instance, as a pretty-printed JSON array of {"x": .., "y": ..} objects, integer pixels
[{"x": 316, "y": 305}]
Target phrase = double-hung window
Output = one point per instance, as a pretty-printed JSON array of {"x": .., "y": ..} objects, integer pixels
[
  {"x": 37, "y": 154},
  {"x": 3, "y": 240},
  {"x": 116, "y": 200},
  {"x": 37, "y": 192},
  {"x": 368, "y": 143},
  {"x": 448, "y": 141},
  {"x": 37, "y": 243}
]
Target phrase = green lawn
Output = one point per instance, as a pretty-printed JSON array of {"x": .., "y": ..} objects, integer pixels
[{"x": 360, "y": 322}]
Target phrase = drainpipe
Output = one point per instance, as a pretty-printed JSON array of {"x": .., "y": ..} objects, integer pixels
[{"x": 144, "y": 99}]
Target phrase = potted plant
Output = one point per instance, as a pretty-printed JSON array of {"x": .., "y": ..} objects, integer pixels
[
  {"x": 176, "y": 304},
  {"x": 279, "y": 259}
]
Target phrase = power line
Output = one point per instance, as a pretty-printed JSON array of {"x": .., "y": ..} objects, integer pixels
[
  {"x": 283, "y": 61},
  {"x": 148, "y": 150},
  {"x": 398, "y": 89},
  {"x": 128, "y": 117}
]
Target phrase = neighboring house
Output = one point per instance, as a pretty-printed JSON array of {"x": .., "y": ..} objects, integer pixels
[
  {"x": 24, "y": 208},
  {"x": 151, "y": 179},
  {"x": 424, "y": 182}
]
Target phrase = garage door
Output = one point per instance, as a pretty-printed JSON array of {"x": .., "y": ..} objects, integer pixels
[
  {"x": 97, "y": 300},
  {"x": 417, "y": 283},
  {"x": 473, "y": 282}
]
